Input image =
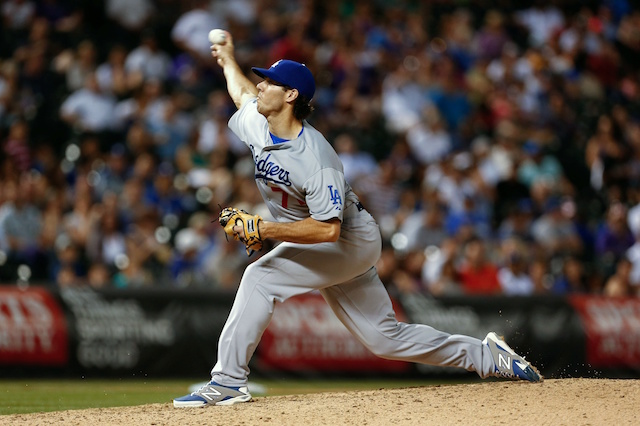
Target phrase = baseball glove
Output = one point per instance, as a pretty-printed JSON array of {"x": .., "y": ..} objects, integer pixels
[{"x": 230, "y": 217}]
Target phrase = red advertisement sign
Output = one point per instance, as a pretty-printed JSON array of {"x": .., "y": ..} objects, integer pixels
[
  {"x": 33, "y": 329},
  {"x": 305, "y": 335},
  {"x": 612, "y": 327}
]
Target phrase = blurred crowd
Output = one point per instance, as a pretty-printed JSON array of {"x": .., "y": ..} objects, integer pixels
[{"x": 497, "y": 143}]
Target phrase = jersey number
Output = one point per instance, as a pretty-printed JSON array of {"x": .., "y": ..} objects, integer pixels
[{"x": 285, "y": 197}]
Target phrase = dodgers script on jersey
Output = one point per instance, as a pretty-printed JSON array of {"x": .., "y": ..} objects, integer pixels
[{"x": 299, "y": 178}]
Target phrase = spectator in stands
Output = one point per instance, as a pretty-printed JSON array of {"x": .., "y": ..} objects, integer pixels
[
  {"x": 148, "y": 61},
  {"x": 449, "y": 97},
  {"x": 572, "y": 279},
  {"x": 537, "y": 166},
  {"x": 619, "y": 284},
  {"x": 357, "y": 164},
  {"x": 514, "y": 276},
  {"x": 89, "y": 109},
  {"x": 222, "y": 265},
  {"x": 518, "y": 222},
  {"x": 22, "y": 229},
  {"x": 147, "y": 251},
  {"x": 478, "y": 275},
  {"x": 424, "y": 228},
  {"x": 292, "y": 44},
  {"x": 554, "y": 233},
  {"x": 380, "y": 191},
  {"x": 131, "y": 199},
  {"x": 457, "y": 33},
  {"x": 403, "y": 97},
  {"x": 213, "y": 131},
  {"x": 454, "y": 182},
  {"x": 8, "y": 85},
  {"x": 68, "y": 264},
  {"x": 77, "y": 222},
  {"x": 492, "y": 36},
  {"x": 17, "y": 15},
  {"x": 541, "y": 275},
  {"x": 190, "y": 31},
  {"x": 541, "y": 20},
  {"x": 613, "y": 238},
  {"x": 510, "y": 194},
  {"x": 429, "y": 140},
  {"x": 606, "y": 154},
  {"x": 77, "y": 65},
  {"x": 133, "y": 111},
  {"x": 111, "y": 75},
  {"x": 16, "y": 147},
  {"x": 185, "y": 268},
  {"x": 132, "y": 16},
  {"x": 52, "y": 206},
  {"x": 63, "y": 17},
  {"x": 67, "y": 277},
  {"x": 439, "y": 271},
  {"x": 113, "y": 173},
  {"x": 170, "y": 126},
  {"x": 106, "y": 241},
  {"x": 131, "y": 272},
  {"x": 475, "y": 215},
  {"x": 162, "y": 195},
  {"x": 447, "y": 283},
  {"x": 98, "y": 276},
  {"x": 8, "y": 194}
]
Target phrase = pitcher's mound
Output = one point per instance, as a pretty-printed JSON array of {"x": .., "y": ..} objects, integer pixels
[{"x": 554, "y": 402}]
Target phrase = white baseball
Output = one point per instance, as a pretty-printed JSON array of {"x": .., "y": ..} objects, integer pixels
[{"x": 217, "y": 36}]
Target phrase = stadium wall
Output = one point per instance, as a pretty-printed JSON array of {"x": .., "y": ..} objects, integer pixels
[{"x": 174, "y": 332}]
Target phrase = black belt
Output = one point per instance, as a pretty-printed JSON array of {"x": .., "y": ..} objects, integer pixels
[{"x": 359, "y": 206}]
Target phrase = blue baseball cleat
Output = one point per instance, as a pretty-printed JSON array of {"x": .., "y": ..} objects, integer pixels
[
  {"x": 213, "y": 393},
  {"x": 508, "y": 363}
]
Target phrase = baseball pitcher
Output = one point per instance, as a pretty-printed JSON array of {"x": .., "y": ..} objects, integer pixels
[{"x": 330, "y": 243}]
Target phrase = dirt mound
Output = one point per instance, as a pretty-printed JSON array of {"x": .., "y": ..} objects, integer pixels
[{"x": 553, "y": 402}]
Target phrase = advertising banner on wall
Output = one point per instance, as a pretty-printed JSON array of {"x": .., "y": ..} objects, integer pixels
[
  {"x": 33, "y": 329},
  {"x": 159, "y": 332},
  {"x": 174, "y": 333},
  {"x": 612, "y": 328}
]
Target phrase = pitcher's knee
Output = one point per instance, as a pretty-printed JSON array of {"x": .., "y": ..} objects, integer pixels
[
  {"x": 386, "y": 352},
  {"x": 259, "y": 278},
  {"x": 251, "y": 271},
  {"x": 383, "y": 346},
  {"x": 254, "y": 275}
]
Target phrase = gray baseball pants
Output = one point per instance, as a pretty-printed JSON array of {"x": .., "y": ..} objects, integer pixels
[{"x": 344, "y": 274}]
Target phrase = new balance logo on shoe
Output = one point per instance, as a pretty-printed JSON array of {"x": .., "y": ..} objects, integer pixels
[
  {"x": 210, "y": 394},
  {"x": 507, "y": 363},
  {"x": 504, "y": 362}
]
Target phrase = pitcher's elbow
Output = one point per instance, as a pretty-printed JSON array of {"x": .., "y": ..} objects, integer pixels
[{"x": 333, "y": 235}]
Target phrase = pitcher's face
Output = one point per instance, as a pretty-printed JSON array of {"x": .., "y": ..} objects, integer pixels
[{"x": 272, "y": 97}]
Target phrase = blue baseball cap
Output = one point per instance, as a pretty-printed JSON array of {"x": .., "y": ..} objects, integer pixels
[{"x": 292, "y": 74}]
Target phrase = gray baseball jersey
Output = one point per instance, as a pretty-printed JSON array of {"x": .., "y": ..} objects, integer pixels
[
  {"x": 304, "y": 178},
  {"x": 298, "y": 179}
]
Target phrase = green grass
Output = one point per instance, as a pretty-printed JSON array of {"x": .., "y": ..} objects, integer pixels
[{"x": 29, "y": 396}]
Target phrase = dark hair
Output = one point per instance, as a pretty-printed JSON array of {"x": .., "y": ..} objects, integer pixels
[{"x": 302, "y": 108}]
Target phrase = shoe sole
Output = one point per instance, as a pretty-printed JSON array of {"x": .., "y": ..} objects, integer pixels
[
  {"x": 237, "y": 399},
  {"x": 188, "y": 404},
  {"x": 200, "y": 404}
]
